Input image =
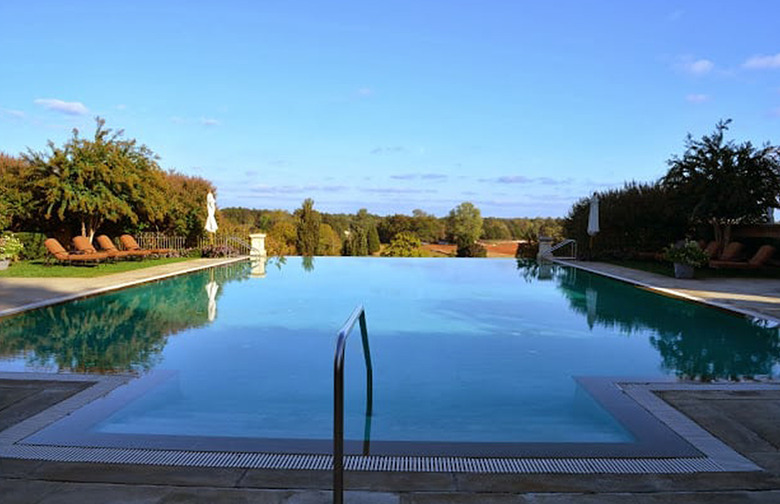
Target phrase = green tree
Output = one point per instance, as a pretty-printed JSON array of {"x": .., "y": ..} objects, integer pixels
[
  {"x": 464, "y": 225},
  {"x": 16, "y": 198},
  {"x": 495, "y": 229},
  {"x": 186, "y": 207},
  {"x": 281, "y": 239},
  {"x": 307, "y": 228},
  {"x": 427, "y": 226},
  {"x": 356, "y": 242},
  {"x": 108, "y": 178},
  {"x": 373, "y": 240},
  {"x": 404, "y": 244},
  {"x": 329, "y": 243},
  {"x": 723, "y": 183}
]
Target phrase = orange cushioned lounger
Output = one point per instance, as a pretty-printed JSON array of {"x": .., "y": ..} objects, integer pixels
[
  {"x": 106, "y": 245},
  {"x": 129, "y": 243},
  {"x": 58, "y": 251}
]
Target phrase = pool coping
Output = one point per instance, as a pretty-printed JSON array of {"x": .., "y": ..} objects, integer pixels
[{"x": 716, "y": 455}]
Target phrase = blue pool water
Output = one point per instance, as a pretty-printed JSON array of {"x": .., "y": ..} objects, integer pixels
[{"x": 464, "y": 350}]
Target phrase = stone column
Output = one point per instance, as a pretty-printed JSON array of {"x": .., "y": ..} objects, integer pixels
[
  {"x": 545, "y": 244},
  {"x": 257, "y": 241}
]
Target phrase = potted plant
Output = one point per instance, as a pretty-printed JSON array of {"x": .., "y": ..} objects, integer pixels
[
  {"x": 10, "y": 247},
  {"x": 686, "y": 256}
]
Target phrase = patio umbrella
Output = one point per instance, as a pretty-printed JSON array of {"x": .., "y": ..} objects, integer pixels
[
  {"x": 593, "y": 218},
  {"x": 211, "y": 207}
]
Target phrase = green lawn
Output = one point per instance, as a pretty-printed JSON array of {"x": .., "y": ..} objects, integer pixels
[
  {"x": 667, "y": 269},
  {"x": 38, "y": 269}
]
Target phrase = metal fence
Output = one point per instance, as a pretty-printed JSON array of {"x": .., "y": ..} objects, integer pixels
[
  {"x": 160, "y": 240},
  {"x": 233, "y": 245}
]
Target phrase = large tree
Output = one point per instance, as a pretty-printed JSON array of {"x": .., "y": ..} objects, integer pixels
[
  {"x": 107, "y": 178},
  {"x": 307, "y": 228},
  {"x": 464, "y": 224},
  {"x": 723, "y": 183},
  {"x": 16, "y": 199}
]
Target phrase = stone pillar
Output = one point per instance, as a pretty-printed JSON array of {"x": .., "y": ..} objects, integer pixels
[
  {"x": 257, "y": 241},
  {"x": 545, "y": 244}
]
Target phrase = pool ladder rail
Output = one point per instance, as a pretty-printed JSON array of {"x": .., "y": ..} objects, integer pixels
[{"x": 358, "y": 315}]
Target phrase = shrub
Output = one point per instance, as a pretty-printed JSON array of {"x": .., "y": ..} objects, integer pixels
[
  {"x": 33, "y": 245},
  {"x": 212, "y": 251},
  {"x": 10, "y": 246},
  {"x": 687, "y": 252},
  {"x": 472, "y": 250}
]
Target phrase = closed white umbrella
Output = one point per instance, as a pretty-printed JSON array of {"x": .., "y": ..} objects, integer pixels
[
  {"x": 211, "y": 207},
  {"x": 593, "y": 216}
]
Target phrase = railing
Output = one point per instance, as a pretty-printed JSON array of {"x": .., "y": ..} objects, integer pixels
[
  {"x": 160, "y": 240},
  {"x": 230, "y": 242},
  {"x": 359, "y": 314},
  {"x": 567, "y": 241}
]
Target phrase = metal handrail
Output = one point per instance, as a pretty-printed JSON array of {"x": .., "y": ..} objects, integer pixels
[
  {"x": 359, "y": 314},
  {"x": 567, "y": 241}
]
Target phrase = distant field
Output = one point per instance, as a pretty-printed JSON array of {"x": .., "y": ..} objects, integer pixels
[{"x": 494, "y": 249}]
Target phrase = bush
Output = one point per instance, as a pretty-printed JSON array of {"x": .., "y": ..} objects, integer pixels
[
  {"x": 33, "y": 246},
  {"x": 212, "y": 251},
  {"x": 687, "y": 252},
  {"x": 10, "y": 247},
  {"x": 527, "y": 250},
  {"x": 472, "y": 250}
]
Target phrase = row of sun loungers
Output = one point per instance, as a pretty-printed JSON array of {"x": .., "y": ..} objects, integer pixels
[
  {"x": 85, "y": 253},
  {"x": 732, "y": 255}
]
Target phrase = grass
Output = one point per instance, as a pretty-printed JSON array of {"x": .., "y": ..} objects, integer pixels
[
  {"x": 666, "y": 269},
  {"x": 39, "y": 269}
]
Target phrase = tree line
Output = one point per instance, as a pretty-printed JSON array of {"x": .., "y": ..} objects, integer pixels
[
  {"x": 104, "y": 183},
  {"x": 309, "y": 232}
]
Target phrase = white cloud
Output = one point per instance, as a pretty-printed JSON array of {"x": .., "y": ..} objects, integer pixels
[
  {"x": 121, "y": 106},
  {"x": 13, "y": 113},
  {"x": 209, "y": 122},
  {"x": 697, "y": 98},
  {"x": 695, "y": 66},
  {"x": 365, "y": 91},
  {"x": 763, "y": 62},
  {"x": 69, "y": 108}
]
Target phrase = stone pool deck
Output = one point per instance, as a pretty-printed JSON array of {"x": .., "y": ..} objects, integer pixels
[{"x": 746, "y": 420}]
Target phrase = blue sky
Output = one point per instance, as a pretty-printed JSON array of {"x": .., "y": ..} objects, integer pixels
[{"x": 519, "y": 107}]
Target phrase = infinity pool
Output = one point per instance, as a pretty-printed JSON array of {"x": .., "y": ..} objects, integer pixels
[{"x": 464, "y": 351}]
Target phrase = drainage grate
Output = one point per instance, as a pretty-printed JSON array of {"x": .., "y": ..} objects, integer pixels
[{"x": 361, "y": 463}]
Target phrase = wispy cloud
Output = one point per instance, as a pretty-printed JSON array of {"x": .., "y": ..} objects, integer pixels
[
  {"x": 397, "y": 190},
  {"x": 695, "y": 67},
  {"x": 521, "y": 179},
  {"x": 761, "y": 62},
  {"x": 775, "y": 112},
  {"x": 365, "y": 91},
  {"x": 676, "y": 15},
  {"x": 178, "y": 120},
  {"x": 292, "y": 189},
  {"x": 205, "y": 121},
  {"x": 121, "y": 106},
  {"x": 419, "y": 176},
  {"x": 387, "y": 150},
  {"x": 697, "y": 98},
  {"x": 18, "y": 114},
  {"x": 69, "y": 108}
]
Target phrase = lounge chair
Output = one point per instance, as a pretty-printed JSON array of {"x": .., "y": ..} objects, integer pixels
[
  {"x": 107, "y": 246},
  {"x": 710, "y": 249},
  {"x": 129, "y": 243},
  {"x": 732, "y": 252},
  {"x": 58, "y": 251},
  {"x": 83, "y": 246},
  {"x": 761, "y": 257}
]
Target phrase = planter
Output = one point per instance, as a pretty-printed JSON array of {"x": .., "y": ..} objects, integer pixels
[
  {"x": 4, "y": 264},
  {"x": 683, "y": 270}
]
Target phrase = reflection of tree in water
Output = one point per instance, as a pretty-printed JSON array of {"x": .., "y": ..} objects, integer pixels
[
  {"x": 120, "y": 331},
  {"x": 695, "y": 342}
]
